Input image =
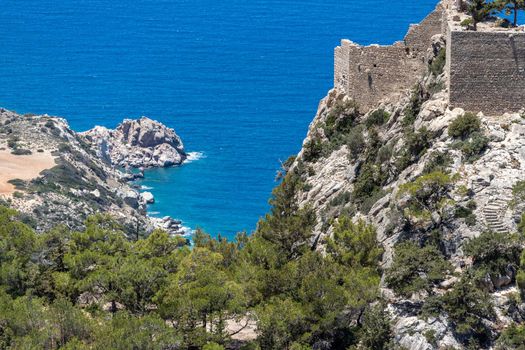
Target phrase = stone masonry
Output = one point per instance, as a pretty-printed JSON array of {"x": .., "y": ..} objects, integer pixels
[
  {"x": 371, "y": 74},
  {"x": 485, "y": 68}
]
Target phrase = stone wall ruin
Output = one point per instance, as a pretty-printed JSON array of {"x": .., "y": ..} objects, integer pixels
[
  {"x": 485, "y": 68},
  {"x": 371, "y": 74}
]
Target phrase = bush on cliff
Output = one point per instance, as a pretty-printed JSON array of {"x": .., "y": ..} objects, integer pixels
[
  {"x": 438, "y": 63},
  {"x": 513, "y": 337},
  {"x": 438, "y": 161},
  {"x": 495, "y": 254},
  {"x": 467, "y": 307},
  {"x": 415, "y": 269},
  {"x": 341, "y": 118},
  {"x": 474, "y": 147},
  {"x": 313, "y": 149},
  {"x": 377, "y": 118},
  {"x": 417, "y": 97},
  {"x": 416, "y": 144},
  {"x": 426, "y": 194},
  {"x": 464, "y": 125}
]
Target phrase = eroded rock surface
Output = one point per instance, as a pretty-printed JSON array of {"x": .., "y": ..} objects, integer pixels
[{"x": 137, "y": 143}]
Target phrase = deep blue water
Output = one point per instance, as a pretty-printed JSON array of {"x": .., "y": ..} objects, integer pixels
[{"x": 239, "y": 80}]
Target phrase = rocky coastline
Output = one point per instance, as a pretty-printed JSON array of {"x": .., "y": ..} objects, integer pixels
[
  {"x": 140, "y": 144},
  {"x": 90, "y": 173}
]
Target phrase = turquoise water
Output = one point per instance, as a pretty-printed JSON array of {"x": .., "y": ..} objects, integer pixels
[{"x": 239, "y": 81}]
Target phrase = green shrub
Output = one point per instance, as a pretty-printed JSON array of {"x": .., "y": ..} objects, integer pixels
[
  {"x": 367, "y": 186},
  {"x": 430, "y": 336},
  {"x": 462, "y": 212},
  {"x": 437, "y": 65},
  {"x": 18, "y": 183},
  {"x": 493, "y": 253},
  {"x": 464, "y": 125},
  {"x": 415, "y": 269},
  {"x": 368, "y": 202},
  {"x": 50, "y": 124},
  {"x": 377, "y": 118},
  {"x": 518, "y": 194},
  {"x": 376, "y": 331},
  {"x": 385, "y": 153},
  {"x": 212, "y": 346},
  {"x": 437, "y": 161},
  {"x": 467, "y": 306},
  {"x": 354, "y": 244},
  {"x": 467, "y": 23},
  {"x": 416, "y": 144},
  {"x": 341, "y": 199},
  {"x": 312, "y": 150},
  {"x": 356, "y": 142},
  {"x": 414, "y": 106},
  {"x": 341, "y": 118},
  {"x": 520, "y": 281},
  {"x": 426, "y": 193},
  {"x": 64, "y": 148},
  {"x": 513, "y": 337},
  {"x": 435, "y": 87},
  {"x": 13, "y": 142},
  {"x": 473, "y": 148}
]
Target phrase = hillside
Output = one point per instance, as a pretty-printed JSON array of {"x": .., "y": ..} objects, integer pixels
[{"x": 443, "y": 188}]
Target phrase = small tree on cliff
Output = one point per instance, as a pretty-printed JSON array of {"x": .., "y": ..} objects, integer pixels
[
  {"x": 511, "y": 7},
  {"x": 480, "y": 10}
]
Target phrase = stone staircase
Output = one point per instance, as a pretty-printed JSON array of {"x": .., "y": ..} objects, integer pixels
[{"x": 493, "y": 212}]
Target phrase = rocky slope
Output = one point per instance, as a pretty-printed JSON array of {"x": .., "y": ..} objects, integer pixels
[
  {"x": 401, "y": 168},
  {"x": 82, "y": 182},
  {"x": 137, "y": 143}
]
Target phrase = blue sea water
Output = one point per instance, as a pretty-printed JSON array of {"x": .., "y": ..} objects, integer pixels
[{"x": 239, "y": 80}]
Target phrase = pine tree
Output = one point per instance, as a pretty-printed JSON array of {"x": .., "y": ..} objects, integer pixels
[
  {"x": 511, "y": 7},
  {"x": 480, "y": 10}
]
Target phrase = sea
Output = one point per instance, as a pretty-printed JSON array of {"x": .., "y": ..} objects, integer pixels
[{"x": 239, "y": 81}]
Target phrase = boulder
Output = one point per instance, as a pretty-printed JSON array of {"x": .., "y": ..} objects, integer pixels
[
  {"x": 147, "y": 197},
  {"x": 130, "y": 197}
]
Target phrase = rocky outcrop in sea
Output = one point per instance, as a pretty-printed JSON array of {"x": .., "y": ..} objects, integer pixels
[{"x": 139, "y": 143}]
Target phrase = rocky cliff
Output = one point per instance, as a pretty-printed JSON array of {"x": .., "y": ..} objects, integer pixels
[
  {"x": 81, "y": 177},
  {"x": 137, "y": 143},
  {"x": 433, "y": 179}
]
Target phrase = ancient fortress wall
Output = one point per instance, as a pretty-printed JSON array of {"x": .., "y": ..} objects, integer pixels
[
  {"x": 371, "y": 74},
  {"x": 486, "y": 71}
]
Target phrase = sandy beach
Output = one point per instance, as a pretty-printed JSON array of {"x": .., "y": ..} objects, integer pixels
[{"x": 24, "y": 167}]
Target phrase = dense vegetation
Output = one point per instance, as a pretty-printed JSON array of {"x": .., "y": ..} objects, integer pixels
[{"x": 101, "y": 288}]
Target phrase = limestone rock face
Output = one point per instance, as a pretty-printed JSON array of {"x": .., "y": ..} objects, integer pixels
[
  {"x": 137, "y": 143},
  {"x": 483, "y": 182}
]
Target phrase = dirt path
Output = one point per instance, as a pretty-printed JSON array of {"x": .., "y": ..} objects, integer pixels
[{"x": 21, "y": 167}]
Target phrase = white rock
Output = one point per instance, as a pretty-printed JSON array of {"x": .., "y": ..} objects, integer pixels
[
  {"x": 147, "y": 197},
  {"x": 137, "y": 143}
]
